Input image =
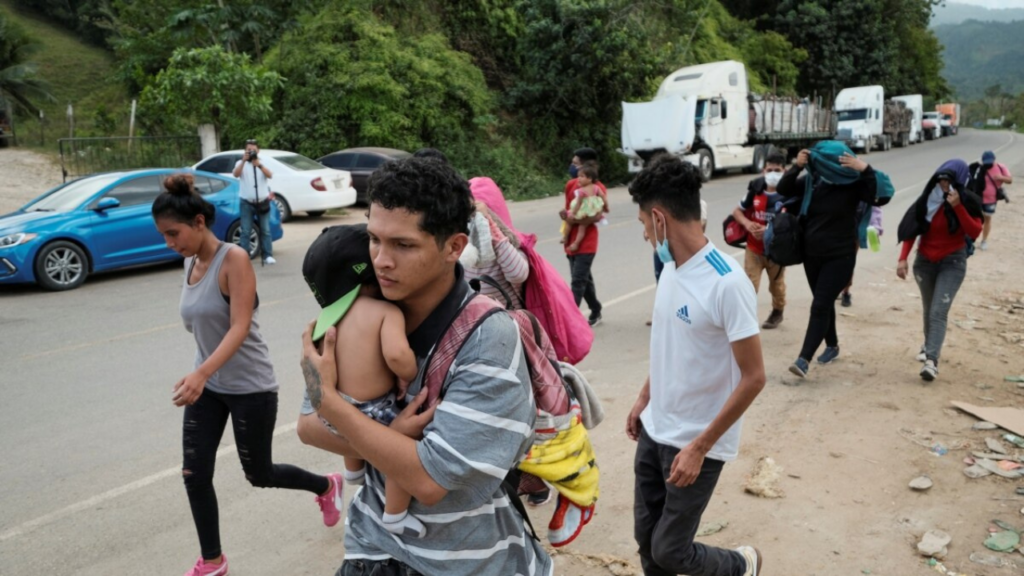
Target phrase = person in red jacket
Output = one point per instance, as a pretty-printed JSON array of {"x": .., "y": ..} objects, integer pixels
[
  {"x": 582, "y": 259},
  {"x": 947, "y": 218}
]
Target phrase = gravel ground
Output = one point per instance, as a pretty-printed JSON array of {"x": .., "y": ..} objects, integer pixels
[{"x": 24, "y": 174}]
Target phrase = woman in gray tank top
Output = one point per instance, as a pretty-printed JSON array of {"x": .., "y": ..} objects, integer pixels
[{"x": 232, "y": 375}]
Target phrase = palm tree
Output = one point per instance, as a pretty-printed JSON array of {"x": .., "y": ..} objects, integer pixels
[{"x": 18, "y": 81}]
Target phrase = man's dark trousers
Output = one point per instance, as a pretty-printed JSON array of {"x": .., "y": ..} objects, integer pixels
[{"x": 666, "y": 517}]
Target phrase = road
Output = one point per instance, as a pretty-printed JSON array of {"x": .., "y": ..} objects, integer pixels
[{"x": 91, "y": 444}]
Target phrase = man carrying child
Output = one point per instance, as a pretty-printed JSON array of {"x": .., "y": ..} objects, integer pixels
[{"x": 451, "y": 458}]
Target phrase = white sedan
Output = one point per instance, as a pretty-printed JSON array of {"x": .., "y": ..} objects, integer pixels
[{"x": 299, "y": 183}]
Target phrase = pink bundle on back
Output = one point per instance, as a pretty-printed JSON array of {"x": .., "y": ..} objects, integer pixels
[{"x": 548, "y": 296}]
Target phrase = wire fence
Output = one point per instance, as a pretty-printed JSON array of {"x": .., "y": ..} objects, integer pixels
[{"x": 84, "y": 156}]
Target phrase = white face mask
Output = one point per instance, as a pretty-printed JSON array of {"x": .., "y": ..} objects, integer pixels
[{"x": 773, "y": 178}]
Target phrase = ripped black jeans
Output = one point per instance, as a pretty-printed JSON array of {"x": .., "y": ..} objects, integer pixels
[{"x": 252, "y": 420}]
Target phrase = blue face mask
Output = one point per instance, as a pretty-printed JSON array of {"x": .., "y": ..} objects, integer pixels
[
  {"x": 574, "y": 171},
  {"x": 662, "y": 247}
]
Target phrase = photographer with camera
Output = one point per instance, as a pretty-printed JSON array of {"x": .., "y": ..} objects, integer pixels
[{"x": 255, "y": 196}]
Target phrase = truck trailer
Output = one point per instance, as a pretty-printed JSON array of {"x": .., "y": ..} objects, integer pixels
[
  {"x": 706, "y": 115},
  {"x": 915, "y": 103}
]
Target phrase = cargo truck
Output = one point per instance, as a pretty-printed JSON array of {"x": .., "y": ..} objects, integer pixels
[
  {"x": 950, "y": 114},
  {"x": 931, "y": 123},
  {"x": 915, "y": 103},
  {"x": 706, "y": 115}
]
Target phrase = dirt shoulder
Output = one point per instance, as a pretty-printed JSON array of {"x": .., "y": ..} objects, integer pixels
[
  {"x": 854, "y": 434},
  {"x": 24, "y": 174}
]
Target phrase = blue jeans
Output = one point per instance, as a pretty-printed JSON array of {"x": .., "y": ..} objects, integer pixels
[
  {"x": 248, "y": 212},
  {"x": 939, "y": 282}
]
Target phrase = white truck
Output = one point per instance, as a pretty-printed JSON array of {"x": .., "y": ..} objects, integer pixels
[
  {"x": 706, "y": 115},
  {"x": 931, "y": 123},
  {"x": 859, "y": 111},
  {"x": 915, "y": 103}
]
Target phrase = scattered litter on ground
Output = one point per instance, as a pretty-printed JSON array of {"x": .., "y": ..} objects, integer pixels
[
  {"x": 709, "y": 528},
  {"x": 613, "y": 564},
  {"x": 934, "y": 544},
  {"x": 1014, "y": 439},
  {"x": 921, "y": 483},
  {"x": 1009, "y": 466},
  {"x": 1012, "y": 337},
  {"x": 994, "y": 468},
  {"x": 984, "y": 426},
  {"x": 1014, "y": 379},
  {"x": 939, "y": 450},
  {"x": 764, "y": 480},
  {"x": 1011, "y": 419},
  {"x": 1003, "y": 541},
  {"x": 1020, "y": 491},
  {"x": 988, "y": 560},
  {"x": 975, "y": 471},
  {"x": 995, "y": 446}
]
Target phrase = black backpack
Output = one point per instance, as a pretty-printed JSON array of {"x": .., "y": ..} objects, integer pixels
[{"x": 783, "y": 239}]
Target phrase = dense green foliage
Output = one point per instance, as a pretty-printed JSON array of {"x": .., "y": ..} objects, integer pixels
[
  {"x": 211, "y": 86},
  {"x": 506, "y": 87},
  {"x": 19, "y": 81}
]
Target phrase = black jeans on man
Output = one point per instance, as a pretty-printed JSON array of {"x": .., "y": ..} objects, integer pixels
[
  {"x": 827, "y": 279},
  {"x": 666, "y": 518},
  {"x": 583, "y": 282},
  {"x": 389, "y": 567},
  {"x": 252, "y": 419}
]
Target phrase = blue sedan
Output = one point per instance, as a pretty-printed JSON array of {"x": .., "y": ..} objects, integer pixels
[{"x": 103, "y": 222}]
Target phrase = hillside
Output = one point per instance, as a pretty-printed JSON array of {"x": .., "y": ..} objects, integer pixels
[
  {"x": 79, "y": 74},
  {"x": 956, "y": 13},
  {"x": 980, "y": 54}
]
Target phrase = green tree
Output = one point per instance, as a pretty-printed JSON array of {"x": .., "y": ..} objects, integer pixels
[
  {"x": 19, "y": 81},
  {"x": 210, "y": 85}
]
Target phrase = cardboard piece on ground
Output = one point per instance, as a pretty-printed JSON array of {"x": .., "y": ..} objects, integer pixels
[{"x": 1011, "y": 419}]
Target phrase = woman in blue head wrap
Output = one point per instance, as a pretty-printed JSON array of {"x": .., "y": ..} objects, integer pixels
[
  {"x": 947, "y": 217},
  {"x": 835, "y": 184}
]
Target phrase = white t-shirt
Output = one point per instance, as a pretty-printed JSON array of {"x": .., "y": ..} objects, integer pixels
[
  {"x": 248, "y": 181},
  {"x": 699, "y": 310}
]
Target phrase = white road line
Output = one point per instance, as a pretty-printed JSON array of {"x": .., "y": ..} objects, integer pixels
[{"x": 88, "y": 503}]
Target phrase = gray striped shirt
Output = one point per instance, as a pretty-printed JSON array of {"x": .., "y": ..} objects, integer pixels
[{"x": 479, "y": 432}]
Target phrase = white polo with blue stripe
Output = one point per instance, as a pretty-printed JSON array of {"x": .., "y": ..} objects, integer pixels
[{"x": 700, "y": 309}]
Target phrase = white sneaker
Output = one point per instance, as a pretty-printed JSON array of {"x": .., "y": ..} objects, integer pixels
[
  {"x": 921, "y": 356},
  {"x": 929, "y": 371},
  {"x": 753, "y": 558},
  {"x": 269, "y": 261},
  {"x": 983, "y": 245}
]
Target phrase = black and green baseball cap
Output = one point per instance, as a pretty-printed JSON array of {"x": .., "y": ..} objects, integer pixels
[{"x": 337, "y": 265}]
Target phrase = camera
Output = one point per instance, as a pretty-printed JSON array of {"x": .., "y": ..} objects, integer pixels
[{"x": 252, "y": 156}]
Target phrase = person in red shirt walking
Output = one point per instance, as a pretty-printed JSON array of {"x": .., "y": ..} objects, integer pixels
[
  {"x": 947, "y": 218},
  {"x": 582, "y": 259},
  {"x": 754, "y": 212}
]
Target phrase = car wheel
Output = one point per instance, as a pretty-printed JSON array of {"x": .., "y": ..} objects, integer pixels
[
  {"x": 235, "y": 237},
  {"x": 706, "y": 164},
  {"x": 283, "y": 208},
  {"x": 61, "y": 265},
  {"x": 315, "y": 213}
]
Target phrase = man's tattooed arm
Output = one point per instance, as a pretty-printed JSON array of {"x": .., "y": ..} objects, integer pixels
[{"x": 314, "y": 387}]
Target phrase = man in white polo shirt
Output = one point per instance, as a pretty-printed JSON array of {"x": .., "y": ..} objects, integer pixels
[{"x": 706, "y": 369}]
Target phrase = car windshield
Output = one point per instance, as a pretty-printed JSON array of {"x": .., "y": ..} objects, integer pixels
[
  {"x": 298, "y": 162},
  {"x": 72, "y": 195},
  {"x": 859, "y": 114},
  {"x": 931, "y": 115}
]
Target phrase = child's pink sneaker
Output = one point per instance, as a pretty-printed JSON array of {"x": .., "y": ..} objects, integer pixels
[
  {"x": 203, "y": 569},
  {"x": 331, "y": 502}
]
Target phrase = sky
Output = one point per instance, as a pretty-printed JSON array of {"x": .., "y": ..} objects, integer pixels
[{"x": 991, "y": 3}]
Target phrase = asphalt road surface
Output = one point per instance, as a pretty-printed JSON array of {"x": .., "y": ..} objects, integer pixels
[{"x": 90, "y": 443}]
